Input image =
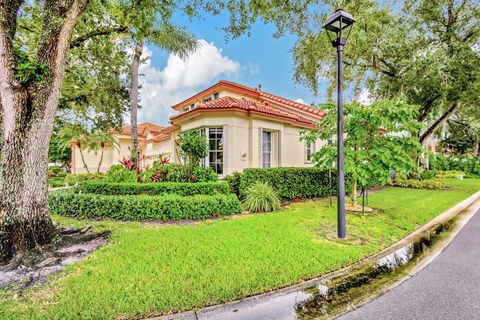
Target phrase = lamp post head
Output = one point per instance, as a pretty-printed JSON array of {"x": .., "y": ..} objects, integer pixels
[{"x": 338, "y": 24}]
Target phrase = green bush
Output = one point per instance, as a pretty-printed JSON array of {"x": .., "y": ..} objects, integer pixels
[
  {"x": 261, "y": 197},
  {"x": 204, "y": 174},
  {"x": 469, "y": 165},
  {"x": 178, "y": 173},
  {"x": 431, "y": 184},
  {"x": 118, "y": 173},
  {"x": 425, "y": 175},
  {"x": 292, "y": 183},
  {"x": 182, "y": 189},
  {"x": 56, "y": 182},
  {"x": 141, "y": 207},
  {"x": 55, "y": 169},
  {"x": 61, "y": 175},
  {"x": 234, "y": 180},
  {"x": 73, "y": 179}
]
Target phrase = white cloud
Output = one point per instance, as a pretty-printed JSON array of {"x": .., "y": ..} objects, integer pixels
[
  {"x": 300, "y": 100},
  {"x": 162, "y": 88}
]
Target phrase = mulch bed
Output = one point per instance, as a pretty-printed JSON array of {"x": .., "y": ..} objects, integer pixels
[{"x": 34, "y": 268}]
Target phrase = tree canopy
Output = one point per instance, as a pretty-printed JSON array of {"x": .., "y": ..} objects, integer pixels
[{"x": 424, "y": 50}]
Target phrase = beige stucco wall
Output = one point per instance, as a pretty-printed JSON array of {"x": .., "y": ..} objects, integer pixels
[
  {"x": 242, "y": 144},
  {"x": 111, "y": 156},
  {"x": 242, "y": 136}
]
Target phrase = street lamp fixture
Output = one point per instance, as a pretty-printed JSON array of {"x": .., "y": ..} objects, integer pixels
[{"x": 337, "y": 25}]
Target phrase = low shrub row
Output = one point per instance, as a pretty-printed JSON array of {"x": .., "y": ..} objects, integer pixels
[
  {"x": 160, "y": 188},
  {"x": 469, "y": 165},
  {"x": 169, "y": 207},
  {"x": 162, "y": 173},
  {"x": 289, "y": 183},
  {"x": 450, "y": 174},
  {"x": 430, "y": 184},
  {"x": 73, "y": 179}
]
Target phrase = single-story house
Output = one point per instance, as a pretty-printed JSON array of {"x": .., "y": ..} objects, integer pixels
[{"x": 245, "y": 127}]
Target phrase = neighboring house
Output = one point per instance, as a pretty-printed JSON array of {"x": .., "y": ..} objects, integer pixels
[{"x": 245, "y": 127}]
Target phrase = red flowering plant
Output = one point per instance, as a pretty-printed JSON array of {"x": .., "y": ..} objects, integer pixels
[
  {"x": 299, "y": 196},
  {"x": 130, "y": 165}
]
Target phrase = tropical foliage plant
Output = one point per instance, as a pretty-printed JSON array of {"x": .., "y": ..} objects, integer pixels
[
  {"x": 193, "y": 146},
  {"x": 261, "y": 197},
  {"x": 377, "y": 140}
]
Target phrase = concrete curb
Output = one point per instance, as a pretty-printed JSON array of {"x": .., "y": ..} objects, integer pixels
[{"x": 468, "y": 206}]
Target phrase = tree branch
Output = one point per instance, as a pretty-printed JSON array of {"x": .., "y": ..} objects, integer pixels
[
  {"x": 439, "y": 122},
  {"x": 426, "y": 109},
  {"x": 101, "y": 32}
]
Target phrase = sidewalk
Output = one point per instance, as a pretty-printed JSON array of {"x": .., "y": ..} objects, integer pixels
[{"x": 448, "y": 288}]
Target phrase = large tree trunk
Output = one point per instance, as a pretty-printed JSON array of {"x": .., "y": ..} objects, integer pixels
[
  {"x": 134, "y": 99},
  {"x": 27, "y": 112},
  {"x": 476, "y": 148}
]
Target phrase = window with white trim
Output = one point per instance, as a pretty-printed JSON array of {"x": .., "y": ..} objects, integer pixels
[
  {"x": 266, "y": 149},
  {"x": 215, "y": 144},
  {"x": 309, "y": 150}
]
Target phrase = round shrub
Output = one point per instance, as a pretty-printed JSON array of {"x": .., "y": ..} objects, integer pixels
[
  {"x": 118, "y": 173},
  {"x": 261, "y": 197}
]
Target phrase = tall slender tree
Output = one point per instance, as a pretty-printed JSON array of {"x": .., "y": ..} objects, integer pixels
[{"x": 148, "y": 28}]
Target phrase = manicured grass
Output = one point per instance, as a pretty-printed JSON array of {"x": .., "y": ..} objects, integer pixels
[{"x": 153, "y": 269}]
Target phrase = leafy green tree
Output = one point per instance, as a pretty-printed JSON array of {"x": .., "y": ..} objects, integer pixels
[
  {"x": 35, "y": 41},
  {"x": 463, "y": 135},
  {"x": 193, "y": 146},
  {"x": 424, "y": 50},
  {"x": 377, "y": 140}
]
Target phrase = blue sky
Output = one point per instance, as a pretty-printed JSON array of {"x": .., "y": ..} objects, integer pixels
[{"x": 250, "y": 60}]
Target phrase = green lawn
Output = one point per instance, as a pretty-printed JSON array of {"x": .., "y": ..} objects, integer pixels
[{"x": 153, "y": 269}]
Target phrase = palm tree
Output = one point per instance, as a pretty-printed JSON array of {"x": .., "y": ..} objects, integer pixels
[
  {"x": 174, "y": 40},
  {"x": 99, "y": 139},
  {"x": 75, "y": 135}
]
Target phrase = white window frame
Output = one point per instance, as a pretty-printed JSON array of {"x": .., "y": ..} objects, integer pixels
[
  {"x": 263, "y": 152},
  {"x": 309, "y": 147},
  {"x": 206, "y": 160}
]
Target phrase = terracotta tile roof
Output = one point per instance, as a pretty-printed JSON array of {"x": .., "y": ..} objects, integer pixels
[
  {"x": 256, "y": 93},
  {"x": 159, "y": 138},
  {"x": 250, "y": 106},
  {"x": 143, "y": 129}
]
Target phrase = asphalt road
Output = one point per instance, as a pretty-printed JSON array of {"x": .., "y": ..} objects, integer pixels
[{"x": 448, "y": 288}]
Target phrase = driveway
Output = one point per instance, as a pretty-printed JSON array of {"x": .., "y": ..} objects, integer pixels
[{"x": 448, "y": 288}]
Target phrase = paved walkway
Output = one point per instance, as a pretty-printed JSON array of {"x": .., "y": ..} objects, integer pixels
[{"x": 448, "y": 288}]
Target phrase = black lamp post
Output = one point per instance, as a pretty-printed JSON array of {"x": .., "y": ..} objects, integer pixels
[{"x": 341, "y": 22}]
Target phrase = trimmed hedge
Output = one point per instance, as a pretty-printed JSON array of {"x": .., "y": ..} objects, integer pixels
[
  {"x": 289, "y": 183},
  {"x": 141, "y": 207},
  {"x": 178, "y": 173},
  {"x": 154, "y": 188},
  {"x": 429, "y": 184},
  {"x": 73, "y": 179}
]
